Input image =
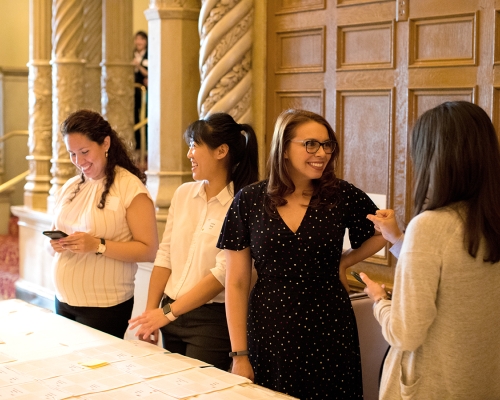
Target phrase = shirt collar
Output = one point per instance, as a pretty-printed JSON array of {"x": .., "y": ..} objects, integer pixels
[{"x": 224, "y": 196}]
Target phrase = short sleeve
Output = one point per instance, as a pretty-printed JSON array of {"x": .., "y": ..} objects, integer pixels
[
  {"x": 129, "y": 186},
  {"x": 235, "y": 234},
  {"x": 359, "y": 206}
]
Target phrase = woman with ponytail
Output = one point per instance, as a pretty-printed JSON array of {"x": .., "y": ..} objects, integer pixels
[
  {"x": 186, "y": 289},
  {"x": 109, "y": 217}
]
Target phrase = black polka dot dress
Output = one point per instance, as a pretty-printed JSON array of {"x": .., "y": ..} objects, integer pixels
[{"x": 302, "y": 333}]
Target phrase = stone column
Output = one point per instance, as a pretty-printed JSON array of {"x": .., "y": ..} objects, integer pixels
[
  {"x": 67, "y": 82},
  {"x": 173, "y": 87},
  {"x": 92, "y": 53},
  {"x": 117, "y": 70},
  {"x": 226, "y": 58},
  {"x": 37, "y": 185}
]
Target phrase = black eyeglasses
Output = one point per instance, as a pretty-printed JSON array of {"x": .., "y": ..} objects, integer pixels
[{"x": 312, "y": 146}]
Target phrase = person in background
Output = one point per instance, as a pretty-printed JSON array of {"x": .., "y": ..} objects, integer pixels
[
  {"x": 189, "y": 272},
  {"x": 296, "y": 332},
  {"x": 442, "y": 323},
  {"x": 109, "y": 216},
  {"x": 140, "y": 63}
]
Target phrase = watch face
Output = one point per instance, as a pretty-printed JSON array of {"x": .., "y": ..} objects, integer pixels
[
  {"x": 166, "y": 308},
  {"x": 101, "y": 249}
]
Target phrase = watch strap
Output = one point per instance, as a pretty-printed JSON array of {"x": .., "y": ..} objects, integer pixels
[
  {"x": 101, "y": 245},
  {"x": 239, "y": 353},
  {"x": 167, "y": 311}
]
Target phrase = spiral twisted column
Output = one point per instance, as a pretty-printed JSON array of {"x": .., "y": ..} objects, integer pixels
[
  {"x": 117, "y": 84},
  {"x": 225, "y": 62},
  {"x": 67, "y": 83},
  {"x": 92, "y": 53},
  {"x": 37, "y": 184}
]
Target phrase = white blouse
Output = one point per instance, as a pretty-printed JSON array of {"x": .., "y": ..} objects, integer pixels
[
  {"x": 188, "y": 246},
  {"x": 88, "y": 279}
]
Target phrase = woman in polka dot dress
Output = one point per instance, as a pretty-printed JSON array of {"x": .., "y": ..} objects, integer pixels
[{"x": 302, "y": 336}]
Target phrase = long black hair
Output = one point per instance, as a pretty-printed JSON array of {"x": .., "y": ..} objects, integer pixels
[
  {"x": 456, "y": 158},
  {"x": 96, "y": 128},
  {"x": 221, "y": 128}
]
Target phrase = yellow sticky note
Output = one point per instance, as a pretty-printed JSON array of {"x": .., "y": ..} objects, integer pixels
[{"x": 93, "y": 363}]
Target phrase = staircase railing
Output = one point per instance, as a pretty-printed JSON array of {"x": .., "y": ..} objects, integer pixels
[
  {"x": 11, "y": 182},
  {"x": 141, "y": 125}
]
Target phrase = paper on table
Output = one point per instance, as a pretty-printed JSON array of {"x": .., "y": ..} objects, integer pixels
[
  {"x": 92, "y": 381},
  {"x": 31, "y": 391},
  {"x": 49, "y": 367},
  {"x": 196, "y": 381},
  {"x": 159, "y": 364},
  {"x": 119, "y": 351},
  {"x": 8, "y": 377},
  {"x": 132, "y": 392},
  {"x": 5, "y": 358}
]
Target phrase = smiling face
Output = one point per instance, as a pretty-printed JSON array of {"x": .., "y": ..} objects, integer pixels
[
  {"x": 303, "y": 166},
  {"x": 205, "y": 163},
  {"x": 87, "y": 155}
]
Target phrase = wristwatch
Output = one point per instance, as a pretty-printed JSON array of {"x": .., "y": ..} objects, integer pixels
[
  {"x": 167, "y": 311},
  {"x": 101, "y": 248}
]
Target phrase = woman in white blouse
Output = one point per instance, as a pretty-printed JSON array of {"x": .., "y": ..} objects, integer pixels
[
  {"x": 189, "y": 272},
  {"x": 109, "y": 216}
]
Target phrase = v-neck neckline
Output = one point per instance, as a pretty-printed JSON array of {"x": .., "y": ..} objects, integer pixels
[{"x": 301, "y": 222}]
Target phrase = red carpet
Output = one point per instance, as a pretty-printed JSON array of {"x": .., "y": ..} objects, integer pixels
[{"x": 9, "y": 261}]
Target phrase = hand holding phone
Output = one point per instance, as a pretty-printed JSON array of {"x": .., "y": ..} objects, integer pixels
[
  {"x": 55, "y": 234},
  {"x": 358, "y": 278}
]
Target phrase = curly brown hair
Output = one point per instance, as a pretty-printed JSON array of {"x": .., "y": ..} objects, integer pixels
[{"x": 96, "y": 128}]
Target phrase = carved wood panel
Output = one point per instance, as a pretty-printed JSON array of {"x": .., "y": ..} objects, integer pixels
[
  {"x": 365, "y": 46},
  {"x": 380, "y": 72}
]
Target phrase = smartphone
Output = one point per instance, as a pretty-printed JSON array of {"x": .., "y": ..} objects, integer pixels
[
  {"x": 55, "y": 234},
  {"x": 358, "y": 278}
]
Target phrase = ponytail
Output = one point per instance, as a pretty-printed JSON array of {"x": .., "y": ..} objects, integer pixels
[{"x": 221, "y": 128}]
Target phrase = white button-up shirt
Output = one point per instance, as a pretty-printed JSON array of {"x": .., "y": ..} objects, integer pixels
[{"x": 188, "y": 246}]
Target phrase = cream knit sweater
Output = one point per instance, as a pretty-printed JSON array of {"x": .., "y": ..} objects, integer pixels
[{"x": 443, "y": 323}]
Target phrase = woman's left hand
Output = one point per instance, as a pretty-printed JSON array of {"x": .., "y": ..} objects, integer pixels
[
  {"x": 373, "y": 289},
  {"x": 148, "y": 322},
  {"x": 80, "y": 242}
]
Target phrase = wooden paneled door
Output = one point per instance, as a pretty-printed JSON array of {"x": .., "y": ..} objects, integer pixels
[{"x": 371, "y": 67}]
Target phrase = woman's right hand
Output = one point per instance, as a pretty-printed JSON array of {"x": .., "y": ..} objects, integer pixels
[
  {"x": 149, "y": 322},
  {"x": 385, "y": 222},
  {"x": 242, "y": 367},
  {"x": 57, "y": 246}
]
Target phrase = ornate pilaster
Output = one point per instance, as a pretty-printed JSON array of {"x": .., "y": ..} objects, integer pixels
[
  {"x": 173, "y": 88},
  {"x": 92, "y": 53},
  {"x": 37, "y": 184},
  {"x": 117, "y": 70},
  {"x": 67, "y": 82},
  {"x": 226, "y": 58}
]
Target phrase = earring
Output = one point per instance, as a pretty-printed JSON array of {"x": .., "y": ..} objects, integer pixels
[{"x": 106, "y": 153}]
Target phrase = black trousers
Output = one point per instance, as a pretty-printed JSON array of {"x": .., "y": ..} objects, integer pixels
[
  {"x": 112, "y": 320},
  {"x": 201, "y": 333}
]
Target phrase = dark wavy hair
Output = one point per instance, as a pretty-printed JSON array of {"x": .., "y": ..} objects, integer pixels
[
  {"x": 280, "y": 184},
  {"x": 221, "y": 128},
  {"x": 96, "y": 128},
  {"x": 456, "y": 160}
]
